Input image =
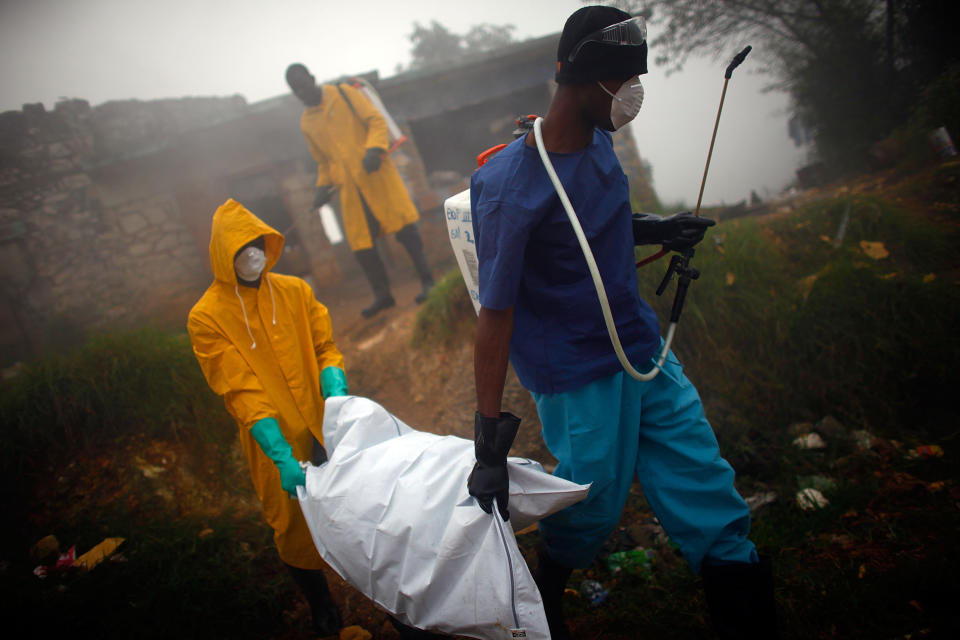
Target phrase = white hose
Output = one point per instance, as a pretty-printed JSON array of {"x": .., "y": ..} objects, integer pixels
[{"x": 595, "y": 273}]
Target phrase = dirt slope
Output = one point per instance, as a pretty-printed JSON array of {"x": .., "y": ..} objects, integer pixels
[{"x": 432, "y": 388}]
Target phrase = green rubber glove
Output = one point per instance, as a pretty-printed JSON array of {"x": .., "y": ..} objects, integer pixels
[
  {"x": 266, "y": 432},
  {"x": 333, "y": 382}
]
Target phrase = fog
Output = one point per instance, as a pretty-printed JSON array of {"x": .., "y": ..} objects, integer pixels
[{"x": 101, "y": 50}]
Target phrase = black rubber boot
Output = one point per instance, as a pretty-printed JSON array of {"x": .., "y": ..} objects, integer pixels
[
  {"x": 409, "y": 237},
  {"x": 376, "y": 274},
  {"x": 379, "y": 304},
  {"x": 323, "y": 610},
  {"x": 551, "y": 579},
  {"x": 426, "y": 286},
  {"x": 740, "y": 599}
]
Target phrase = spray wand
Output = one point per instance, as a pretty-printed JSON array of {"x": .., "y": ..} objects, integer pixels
[
  {"x": 737, "y": 59},
  {"x": 736, "y": 62},
  {"x": 680, "y": 263}
]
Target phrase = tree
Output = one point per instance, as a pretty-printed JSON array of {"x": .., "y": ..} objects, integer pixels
[
  {"x": 437, "y": 46},
  {"x": 851, "y": 67},
  {"x": 434, "y": 45},
  {"x": 488, "y": 37}
]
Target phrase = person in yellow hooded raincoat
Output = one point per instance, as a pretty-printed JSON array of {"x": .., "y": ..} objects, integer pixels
[
  {"x": 347, "y": 137},
  {"x": 266, "y": 345}
]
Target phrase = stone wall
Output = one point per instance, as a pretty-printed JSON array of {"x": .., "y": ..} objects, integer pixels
[{"x": 72, "y": 258}]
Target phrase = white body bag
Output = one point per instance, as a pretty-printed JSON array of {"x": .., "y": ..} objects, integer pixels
[{"x": 390, "y": 512}]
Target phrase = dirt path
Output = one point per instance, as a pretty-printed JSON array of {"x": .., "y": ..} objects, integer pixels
[{"x": 432, "y": 388}]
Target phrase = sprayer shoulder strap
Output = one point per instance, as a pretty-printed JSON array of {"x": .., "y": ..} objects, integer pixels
[{"x": 343, "y": 94}]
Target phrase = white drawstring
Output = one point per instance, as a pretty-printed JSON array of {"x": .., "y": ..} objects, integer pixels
[
  {"x": 236, "y": 290},
  {"x": 272, "y": 303}
]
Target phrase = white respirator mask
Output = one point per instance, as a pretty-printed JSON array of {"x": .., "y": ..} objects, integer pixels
[
  {"x": 250, "y": 263},
  {"x": 626, "y": 102}
]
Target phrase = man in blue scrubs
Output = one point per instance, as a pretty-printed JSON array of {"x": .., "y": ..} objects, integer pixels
[{"x": 539, "y": 310}]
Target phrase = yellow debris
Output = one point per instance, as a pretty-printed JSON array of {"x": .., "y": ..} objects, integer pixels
[
  {"x": 354, "y": 632},
  {"x": 875, "y": 250},
  {"x": 98, "y": 554},
  {"x": 806, "y": 284}
]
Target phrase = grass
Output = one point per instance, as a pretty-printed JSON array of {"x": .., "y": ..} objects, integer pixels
[
  {"x": 786, "y": 325},
  {"x": 445, "y": 312},
  {"x": 145, "y": 381}
]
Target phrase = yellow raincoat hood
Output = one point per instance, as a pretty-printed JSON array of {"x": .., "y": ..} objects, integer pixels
[
  {"x": 233, "y": 227},
  {"x": 263, "y": 350}
]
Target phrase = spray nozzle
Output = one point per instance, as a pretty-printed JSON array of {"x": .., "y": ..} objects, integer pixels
[{"x": 737, "y": 60}]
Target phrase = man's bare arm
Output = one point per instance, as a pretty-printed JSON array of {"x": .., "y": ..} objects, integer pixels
[{"x": 491, "y": 355}]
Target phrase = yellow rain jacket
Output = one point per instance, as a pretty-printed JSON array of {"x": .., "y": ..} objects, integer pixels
[
  {"x": 264, "y": 357},
  {"x": 338, "y": 138}
]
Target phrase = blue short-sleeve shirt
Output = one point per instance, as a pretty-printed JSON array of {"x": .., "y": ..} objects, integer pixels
[{"x": 529, "y": 258}]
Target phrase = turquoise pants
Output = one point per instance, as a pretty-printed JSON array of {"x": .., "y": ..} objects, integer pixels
[{"x": 613, "y": 429}]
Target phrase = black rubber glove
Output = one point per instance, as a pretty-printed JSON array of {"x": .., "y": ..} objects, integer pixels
[
  {"x": 372, "y": 159},
  {"x": 675, "y": 233},
  {"x": 322, "y": 196},
  {"x": 492, "y": 439}
]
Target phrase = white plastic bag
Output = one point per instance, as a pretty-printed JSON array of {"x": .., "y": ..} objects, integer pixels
[{"x": 391, "y": 514}]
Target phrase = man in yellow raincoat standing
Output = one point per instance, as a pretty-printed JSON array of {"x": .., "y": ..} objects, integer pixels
[
  {"x": 266, "y": 345},
  {"x": 347, "y": 137}
]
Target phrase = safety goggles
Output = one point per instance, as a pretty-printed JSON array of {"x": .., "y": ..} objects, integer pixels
[{"x": 632, "y": 32}]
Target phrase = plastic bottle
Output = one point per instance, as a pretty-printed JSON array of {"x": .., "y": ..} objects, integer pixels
[{"x": 633, "y": 561}]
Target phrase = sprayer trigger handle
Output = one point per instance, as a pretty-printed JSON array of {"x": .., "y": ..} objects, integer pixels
[{"x": 674, "y": 266}]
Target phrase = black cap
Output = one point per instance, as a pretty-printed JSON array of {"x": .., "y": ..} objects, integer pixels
[{"x": 597, "y": 60}]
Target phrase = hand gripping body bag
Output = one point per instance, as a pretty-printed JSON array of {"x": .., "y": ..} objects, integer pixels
[{"x": 389, "y": 511}]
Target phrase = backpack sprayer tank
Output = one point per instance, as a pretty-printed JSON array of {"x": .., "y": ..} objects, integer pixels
[{"x": 456, "y": 209}]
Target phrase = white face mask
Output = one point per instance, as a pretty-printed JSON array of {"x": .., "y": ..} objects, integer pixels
[
  {"x": 250, "y": 263},
  {"x": 626, "y": 102}
]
